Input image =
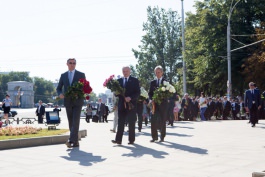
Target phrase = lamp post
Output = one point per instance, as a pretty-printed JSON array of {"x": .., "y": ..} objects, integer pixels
[
  {"x": 183, "y": 50},
  {"x": 229, "y": 81}
]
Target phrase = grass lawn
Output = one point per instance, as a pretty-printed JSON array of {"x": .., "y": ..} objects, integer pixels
[{"x": 43, "y": 132}]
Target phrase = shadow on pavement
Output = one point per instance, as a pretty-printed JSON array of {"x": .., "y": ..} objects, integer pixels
[
  {"x": 138, "y": 151},
  {"x": 84, "y": 158},
  {"x": 182, "y": 147},
  {"x": 167, "y": 133}
]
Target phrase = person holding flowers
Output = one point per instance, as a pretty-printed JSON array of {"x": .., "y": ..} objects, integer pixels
[
  {"x": 76, "y": 89},
  {"x": 159, "y": 93},
  {"x": 128, "y": 90}
]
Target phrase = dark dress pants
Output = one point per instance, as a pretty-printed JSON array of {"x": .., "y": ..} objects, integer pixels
[
  {"x": 158, "y": 120},
  {"x": 140, "y": 115},
  {"x": 253, "y": 113},
  {"x": 130, "y": 116},
  {"x": 73, "y": 111},
  {"x": 40, "y": 119}
]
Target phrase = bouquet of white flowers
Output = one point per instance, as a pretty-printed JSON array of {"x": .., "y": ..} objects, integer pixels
[
  {"x": 144, "y": 95},
  {"x": 163, "y": 92}
]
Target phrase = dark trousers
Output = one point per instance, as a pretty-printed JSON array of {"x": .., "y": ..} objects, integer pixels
[
  {"x": 131, "y": 117},
  {"x": 253, "y": 113},
  {"x": 40, "y": 119},
  {"x": 158, "y": 120},
  {"x": 73, "y": 111},
  {"x": 187, "y": 114},
  {"x": 140, "y": 119},
  {"x": 105, "y": 118}
]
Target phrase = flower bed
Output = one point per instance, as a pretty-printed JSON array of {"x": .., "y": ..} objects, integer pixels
[{"x": 15, "y": 131}]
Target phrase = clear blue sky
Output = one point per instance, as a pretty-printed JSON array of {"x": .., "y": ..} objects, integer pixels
[{"x": 39, "y": 35}]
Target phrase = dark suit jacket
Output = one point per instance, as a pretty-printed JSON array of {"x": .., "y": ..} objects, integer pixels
[
  {"x": 248, "y": 99},
  {"x": 153, "y": 87},
  {"x": 211, "y": 107},
  {"x": 132, "y": 90},
  {"x": 183, "y": 103},
  {"x": 227, "y": 106},
  {"x": 64, "y": 81},
  {"x": 102, "y": 109},
  {"x": 42, "y": 111}
]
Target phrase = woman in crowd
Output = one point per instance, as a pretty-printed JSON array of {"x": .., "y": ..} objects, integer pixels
[
  {"x": 7, "y": 102},
  {"x": 203, "y": 105},
  {"x": 176, "y": 109}
]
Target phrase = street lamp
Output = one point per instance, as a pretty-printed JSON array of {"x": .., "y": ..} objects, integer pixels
[
  {"x": 183, "y": 50},
  {"x": 229, "y": 81}
]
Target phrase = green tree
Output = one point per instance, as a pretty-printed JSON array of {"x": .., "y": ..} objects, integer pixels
[
  {"x": 206, "y": 43},
  {"x": 161, "y": 45},
  {"x": 44, "y": 90}
]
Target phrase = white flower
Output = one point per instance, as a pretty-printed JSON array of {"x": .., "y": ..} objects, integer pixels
[
  {"x": 172, "y": 89},
  {"x": 163, "y": 89},
  {"x": 144, "y": 92},
  {"x": 165, "y": 83}
]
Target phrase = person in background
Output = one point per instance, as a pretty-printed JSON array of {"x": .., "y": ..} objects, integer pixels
[
  {"x": 203, "y": 105},
  {"x": 176, "y": 108},
  {"x": 115, "y": 111},
  {"x": 101, "y": 110},
  {"x": 227, "y": 108},
  {"x": 105, "y": 116},
  {"x": 56, "y": 109},
  {"x": 88, "y": 113},
  {"x": 186, "y": 107},
  {"x": 218, "y": 108},
  {"x": 194, "y": 109},
  {"x": 146, "y": 112},
  {"x": 8, "y": 103},
  {"x": 252, "y": 101},
  {"x": 40, "y": 111}
]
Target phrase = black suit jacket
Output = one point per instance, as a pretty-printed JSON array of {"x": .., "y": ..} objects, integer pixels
[
  {"x": 153, "y": 87},
  {"x": 132, "y": 90},
  {"x": 42, "y": 111}
]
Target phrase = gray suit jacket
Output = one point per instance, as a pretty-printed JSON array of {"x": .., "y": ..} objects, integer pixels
[{"x": 64, "y": 81}]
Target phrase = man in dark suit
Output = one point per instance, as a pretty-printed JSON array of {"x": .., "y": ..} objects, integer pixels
[
  {"x": 73, "y": 106},
  {"x": 252, "y": 101},
  {"x": 105, "y": 116},
  {"x": 227, "y": 108},
  {"x": 186, "y": 107},
  {"x": 40, "y": 111},
  {"x": 194, "y": 109},
  {"x": 210, "y": 108},
  {"x": 159, "y": 117},
  {"x": 101, "y": 111},
  {"x": 127, "y": 105},
  {"x": 218, "y": 108}
]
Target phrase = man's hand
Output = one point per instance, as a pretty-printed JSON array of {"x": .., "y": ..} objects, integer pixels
[
  {"x": 247, "y": 110},
  {"x": 61, "y": 96},
  {"x": 127, "y": 99}
]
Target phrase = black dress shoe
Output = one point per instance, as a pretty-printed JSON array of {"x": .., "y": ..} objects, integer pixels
[
  {"x": 161, "y": 140},
  {"x": 115, "y": 142},
  {"x": 253, "y": 125},
  {"x": 131, "y": 143},
  {"x": 153, "y": 140}
]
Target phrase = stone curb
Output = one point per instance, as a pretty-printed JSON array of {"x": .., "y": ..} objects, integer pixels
[{"x": 39, "y": 141}]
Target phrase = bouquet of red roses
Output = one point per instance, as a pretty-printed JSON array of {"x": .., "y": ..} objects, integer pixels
[
  {"x": 81, "y": 89},
  {"x": 112, "y": 84}
]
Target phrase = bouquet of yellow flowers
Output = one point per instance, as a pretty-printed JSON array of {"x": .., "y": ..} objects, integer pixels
[
  {"x": 163, "y": 92},
  {"x": 81, "y": 89}
]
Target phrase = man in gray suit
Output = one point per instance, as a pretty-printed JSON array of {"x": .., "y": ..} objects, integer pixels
[{"x": 73, "y": 106}]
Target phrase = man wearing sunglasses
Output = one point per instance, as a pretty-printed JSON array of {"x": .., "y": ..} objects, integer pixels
[
  {"x": 252, "y": 101},
  {"x": 73, "y": 106}
]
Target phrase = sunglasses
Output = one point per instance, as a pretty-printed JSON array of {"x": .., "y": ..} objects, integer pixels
[{"x": 72, "y": 63}]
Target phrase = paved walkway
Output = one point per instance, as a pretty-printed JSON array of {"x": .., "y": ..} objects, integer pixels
[{"x": 191, "y": 149}]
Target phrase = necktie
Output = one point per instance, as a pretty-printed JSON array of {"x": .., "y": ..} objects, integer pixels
[
  {"x": 158, "y": 82},
  {"x": 125, "y": 83},
  {"x": 70, "y": 77}
]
